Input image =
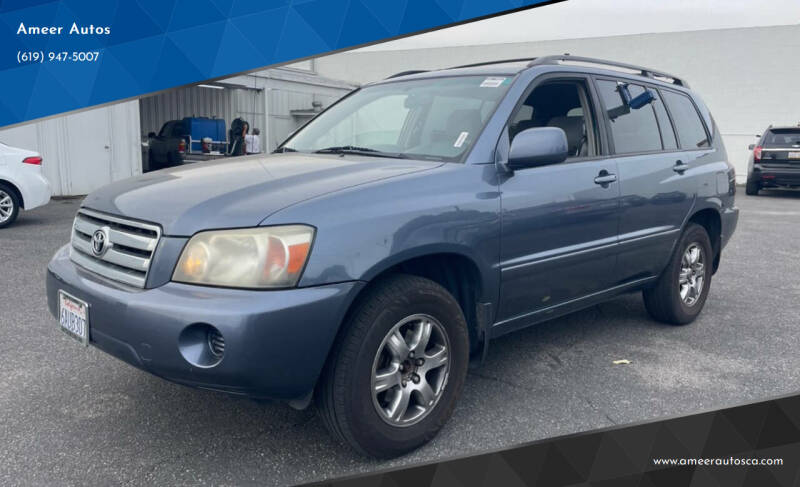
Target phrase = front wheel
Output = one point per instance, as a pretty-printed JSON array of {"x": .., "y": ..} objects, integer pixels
[
  {"x": 398, "y": 370},
  {"x": 9, "y": 205},
  {"x": 682, "y": 289}
]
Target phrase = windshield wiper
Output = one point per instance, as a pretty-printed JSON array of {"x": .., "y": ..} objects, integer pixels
[
  {"x": 344, "y": 148},
  {"x": 285, "y": 149},
  {"x": 366, "y": 151}
]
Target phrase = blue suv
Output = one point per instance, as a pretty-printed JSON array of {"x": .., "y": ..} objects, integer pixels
[{"x": 386, "y": 242}]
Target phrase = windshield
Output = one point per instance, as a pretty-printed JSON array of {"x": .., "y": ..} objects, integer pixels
[
  {"x": 437, "y": 118},
  {"x": 782, "y": 138}
]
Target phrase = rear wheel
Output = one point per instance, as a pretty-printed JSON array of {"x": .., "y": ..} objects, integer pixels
[
  {"x": 682, "y": 289},
  {"x": 398, "y": 369},
  {"x": 752, "y": 188},
  {"x": 9, "y": 205}
]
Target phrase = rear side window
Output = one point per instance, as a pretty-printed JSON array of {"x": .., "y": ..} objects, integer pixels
[
  {"x": 632, "y": 129},
  {"x": 667, "y": 134},
  {"x": 691, "y": 132}
]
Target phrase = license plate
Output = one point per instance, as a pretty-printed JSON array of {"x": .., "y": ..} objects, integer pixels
[
  {"x": 73, "y": 316},
  {"x": 794, "y": 155}
]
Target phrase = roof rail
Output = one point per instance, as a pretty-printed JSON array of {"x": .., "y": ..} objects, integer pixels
[
  {"x": 649, "y": 73},
  {"x": 497, "y": 61},
  {"x": 406, "y": 73}
]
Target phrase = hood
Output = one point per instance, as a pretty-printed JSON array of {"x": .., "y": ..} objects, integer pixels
[{"x": 240, "y": 192}]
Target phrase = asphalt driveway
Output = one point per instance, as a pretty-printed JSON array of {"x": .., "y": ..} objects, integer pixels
[{"x": 73, "y": 415}]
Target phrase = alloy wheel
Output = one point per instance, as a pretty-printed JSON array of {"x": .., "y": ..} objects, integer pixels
[
  {"x": 6, "y": 206},
  {"x": 410, "y": 370},
  {"x": 692, "y": 274}
]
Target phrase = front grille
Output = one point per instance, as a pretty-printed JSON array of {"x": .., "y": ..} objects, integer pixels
[{"x": 127, "y": 249}]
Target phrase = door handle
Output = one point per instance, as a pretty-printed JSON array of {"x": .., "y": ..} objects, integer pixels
[
  {"x": 605, "y": 178},
  {"x": 680, "y": 167}
]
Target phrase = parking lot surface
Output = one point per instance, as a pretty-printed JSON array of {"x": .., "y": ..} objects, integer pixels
[{"x": 74, "y": 415}]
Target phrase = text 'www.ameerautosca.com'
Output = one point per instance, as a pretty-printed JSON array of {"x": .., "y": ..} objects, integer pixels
[{"x": 718, "y": 462}]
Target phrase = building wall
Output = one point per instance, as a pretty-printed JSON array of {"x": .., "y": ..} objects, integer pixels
[
  {"x": 746, "y": 76},
  {"x": 84, "y": 150},
  {"x": 89, "y": 149}
]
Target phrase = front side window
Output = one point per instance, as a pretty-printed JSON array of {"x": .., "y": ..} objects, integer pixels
[
  {"x": 691, "y": 132},
  {"x": 435, "y": 118},
  {"x": 632, "y": 129},
  {"x": 563, "y": 104}
]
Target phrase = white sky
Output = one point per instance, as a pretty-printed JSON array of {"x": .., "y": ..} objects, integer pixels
[{"x": 598, "y": 18}]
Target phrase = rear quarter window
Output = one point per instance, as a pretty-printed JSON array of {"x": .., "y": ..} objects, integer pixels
[{"x": 688, "y": 125}]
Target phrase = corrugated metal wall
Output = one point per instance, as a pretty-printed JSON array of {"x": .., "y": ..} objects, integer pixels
[{"x": 85, "y": 150}]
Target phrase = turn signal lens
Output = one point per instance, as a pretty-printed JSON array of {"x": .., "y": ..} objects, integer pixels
[
  {"x": 196, "y": 261},
  {"x": 757, "y": 153},
  {"x": 264, "y": 257}
]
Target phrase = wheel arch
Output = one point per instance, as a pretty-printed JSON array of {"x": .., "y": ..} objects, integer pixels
[
  {"x": 16, "y": 190},
  {"x": 452, "y": 268},
  {"x": 710, "y": 219}
]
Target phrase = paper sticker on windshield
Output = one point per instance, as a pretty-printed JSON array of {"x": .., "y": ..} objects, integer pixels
[
  {"x": 461, "y": 138},
  {"x": 492, "y": 82}
]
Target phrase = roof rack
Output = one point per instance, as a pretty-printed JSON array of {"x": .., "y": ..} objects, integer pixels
[
  {"x": 497, "y": 61},
  {"x": 406, "y": 73},
  {"x": 649, "y": 73}
]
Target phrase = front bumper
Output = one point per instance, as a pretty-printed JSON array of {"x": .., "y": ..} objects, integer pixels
[{"x": 276, "y": 342}]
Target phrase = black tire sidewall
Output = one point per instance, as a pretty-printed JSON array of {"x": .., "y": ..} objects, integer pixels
[
  {"x": 369, "y": 430},
  {"x": 15, "y": 200}
]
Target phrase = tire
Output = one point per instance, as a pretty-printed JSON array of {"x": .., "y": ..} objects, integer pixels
[
  {"x": 9, "y": 205},
  {"x": 664, "y": 301},
  {"x": 345, "y": 399},
  {"x": 751, "y": 188}
]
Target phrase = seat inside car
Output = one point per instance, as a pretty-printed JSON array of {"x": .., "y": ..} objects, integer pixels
[
  {"x": 575, "y": 128},
  {"x": 556, "y": 104}
]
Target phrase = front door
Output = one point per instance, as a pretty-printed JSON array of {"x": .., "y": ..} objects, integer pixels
[{"x": 559, "y": 222}]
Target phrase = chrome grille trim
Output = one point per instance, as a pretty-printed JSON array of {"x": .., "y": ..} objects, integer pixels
[{"x": 130, "y": 246}]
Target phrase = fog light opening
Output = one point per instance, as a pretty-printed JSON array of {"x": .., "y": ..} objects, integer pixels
[{"x": 202, "y": 345}]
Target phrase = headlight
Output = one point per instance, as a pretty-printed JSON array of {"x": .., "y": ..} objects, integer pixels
[{"x": 264, "y": 257}]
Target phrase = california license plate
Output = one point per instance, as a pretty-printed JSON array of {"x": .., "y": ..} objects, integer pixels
[
  {"x": 794, "y": 155},
  {"x": 73, "y": 316}
]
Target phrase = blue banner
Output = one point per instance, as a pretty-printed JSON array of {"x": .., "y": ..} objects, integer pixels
[{"x": 57, "y": 56}]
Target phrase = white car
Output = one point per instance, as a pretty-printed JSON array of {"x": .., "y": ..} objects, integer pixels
[{"x": 22, "y": 184}]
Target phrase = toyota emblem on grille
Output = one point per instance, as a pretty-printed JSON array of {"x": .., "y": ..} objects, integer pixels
[{"x": 99, "y": 242}]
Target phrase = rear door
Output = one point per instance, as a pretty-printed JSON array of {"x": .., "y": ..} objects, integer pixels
[
  {"x": 559, "y": 222},
  {"x": 657, "y": 187}
]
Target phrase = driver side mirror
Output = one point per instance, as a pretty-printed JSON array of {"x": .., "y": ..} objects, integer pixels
[
  {"x": 151, "y": 135},
  {"x": 538, "y": 146}
]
